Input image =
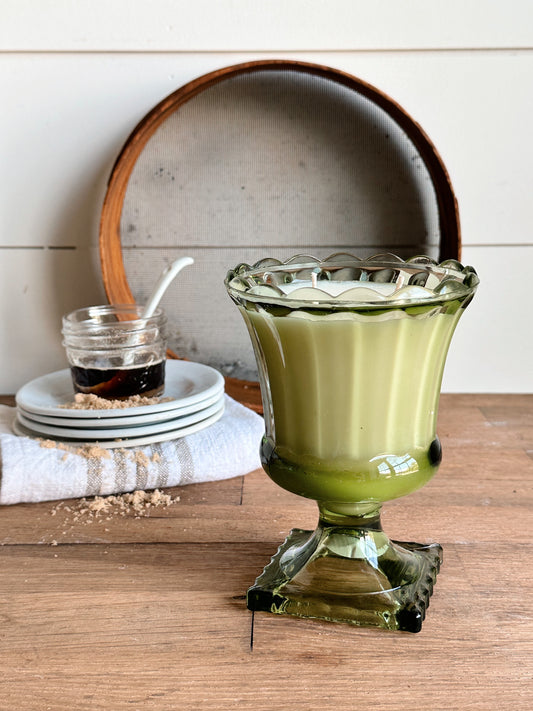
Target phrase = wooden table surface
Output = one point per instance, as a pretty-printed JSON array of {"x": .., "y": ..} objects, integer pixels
[{"x": 149, "y": 613}]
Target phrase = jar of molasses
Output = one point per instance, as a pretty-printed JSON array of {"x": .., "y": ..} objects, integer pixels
[{"x": 114, "y": 352}]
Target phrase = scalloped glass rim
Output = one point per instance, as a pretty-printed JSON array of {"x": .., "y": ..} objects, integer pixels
[{"x": 454, "y": 279}]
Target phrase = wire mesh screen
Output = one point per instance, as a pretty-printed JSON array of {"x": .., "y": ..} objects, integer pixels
[{"x": 267, "y": 164}]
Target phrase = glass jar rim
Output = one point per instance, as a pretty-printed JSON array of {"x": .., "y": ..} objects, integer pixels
[{"x": 93, "y": 318}]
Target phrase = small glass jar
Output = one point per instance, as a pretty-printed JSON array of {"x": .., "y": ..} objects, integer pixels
[{"x": 114, "y": 353}]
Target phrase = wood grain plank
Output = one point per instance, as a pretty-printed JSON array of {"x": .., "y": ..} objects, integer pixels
[
  {"x": 165, "y": 627},
  {"x": 409, "y": 519},
  {"x": 150, "y": 613}
]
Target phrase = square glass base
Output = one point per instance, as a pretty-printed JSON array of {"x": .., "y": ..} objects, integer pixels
[{"x": 349, "y": 576}]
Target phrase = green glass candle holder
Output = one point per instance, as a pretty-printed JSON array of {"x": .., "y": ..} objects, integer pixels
[{"x": 350, "y": 354}]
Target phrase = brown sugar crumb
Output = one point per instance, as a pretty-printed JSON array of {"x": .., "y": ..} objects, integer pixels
[
  {"x": 89, "y": 451},
  {"x": 89, "y": 401},
  {"x": 48, "y": 444},
  {"x": 93, "y": 451},
  {"x": 141, "y": 458},
  {"x": 137, "y": 503},
  {"x": 55, "y": 444}
]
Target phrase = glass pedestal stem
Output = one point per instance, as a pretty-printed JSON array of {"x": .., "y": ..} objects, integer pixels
[{"x": 348, "y": 570}]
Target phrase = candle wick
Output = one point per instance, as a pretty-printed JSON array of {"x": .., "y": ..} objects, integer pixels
[{"x": 314, "y": 279}]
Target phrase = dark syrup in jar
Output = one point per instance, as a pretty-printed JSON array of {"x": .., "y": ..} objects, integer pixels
[{"x": 120, "y": 383}]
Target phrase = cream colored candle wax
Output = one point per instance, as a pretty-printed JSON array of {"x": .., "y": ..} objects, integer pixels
[{"x": 354, "y": 399}]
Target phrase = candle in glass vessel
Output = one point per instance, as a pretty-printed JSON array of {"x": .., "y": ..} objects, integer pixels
[{"x": 351, "y": 355}]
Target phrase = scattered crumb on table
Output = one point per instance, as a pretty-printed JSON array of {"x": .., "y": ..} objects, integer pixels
[{"x": 137, "y": 503}]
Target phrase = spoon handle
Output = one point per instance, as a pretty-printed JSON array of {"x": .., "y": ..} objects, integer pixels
[{"x": 163, "y": 282}]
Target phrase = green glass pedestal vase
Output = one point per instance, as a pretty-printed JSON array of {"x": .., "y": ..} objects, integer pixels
[{"x": 350, "y": 354}]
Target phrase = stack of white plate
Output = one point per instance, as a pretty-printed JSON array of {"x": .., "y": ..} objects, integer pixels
[{"x": 193, "y": 399}]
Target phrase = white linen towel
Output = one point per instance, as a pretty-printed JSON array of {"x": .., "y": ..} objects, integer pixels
[{"x": 31, "y": 472}]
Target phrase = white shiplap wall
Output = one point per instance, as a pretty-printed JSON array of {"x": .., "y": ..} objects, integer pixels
[{"x": 75, "y": 78}]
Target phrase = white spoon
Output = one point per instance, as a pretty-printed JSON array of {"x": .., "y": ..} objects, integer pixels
[
  {"x": 165, "y": 278},
  {"x": 167, "y": 275}
]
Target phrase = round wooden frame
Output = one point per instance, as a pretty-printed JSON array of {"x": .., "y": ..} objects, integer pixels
[{"x": 113, "y": 272}]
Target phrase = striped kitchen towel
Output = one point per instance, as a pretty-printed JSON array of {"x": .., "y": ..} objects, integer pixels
[{"x": 34, "y": 470}]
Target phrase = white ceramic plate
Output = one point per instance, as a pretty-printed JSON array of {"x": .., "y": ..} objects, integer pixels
[
  {"x": 186, "y": 384},
  {"x": 20, "y": 429},
  {"x": 143, "y": 418},
  {"x": 99, "y": 434}
]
